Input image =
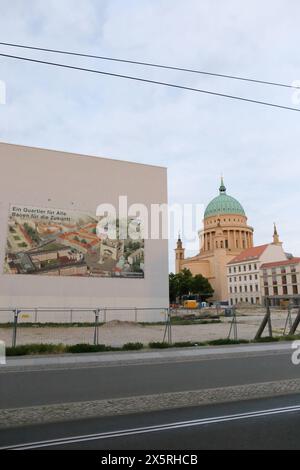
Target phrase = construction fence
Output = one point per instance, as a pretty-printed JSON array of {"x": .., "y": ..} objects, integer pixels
[{"x": 75, "y": 325}]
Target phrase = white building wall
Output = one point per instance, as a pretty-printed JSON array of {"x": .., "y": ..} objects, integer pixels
[
  {"x": 247, "y": 275},
  {"x": 48, "y": 179},
  {"x": 276, "y": 274}
]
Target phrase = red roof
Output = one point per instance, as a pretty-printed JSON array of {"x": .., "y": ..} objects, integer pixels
[
  {"x": 249, "y": 254},
  {"x": 285, "y": 262}
]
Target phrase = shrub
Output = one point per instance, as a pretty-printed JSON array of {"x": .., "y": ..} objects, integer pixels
[
  {"x": 187, "y": 344},
  {"x": 224, "y": 342},
  {"x": 87, "y": 348},
  {"x": 289, "y": 338},
  {"x": 33, "y": 349},
  {"x": 133, "y": 346},
  {"x": 159, "y": 345},
  {"x": 267, "y": 339}
]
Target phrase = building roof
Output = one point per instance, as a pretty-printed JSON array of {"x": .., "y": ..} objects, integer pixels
[
  {"x": 285, "y": 262},
  {"x": 250, "y": 254},
  {"x": 223, "y": 204}
]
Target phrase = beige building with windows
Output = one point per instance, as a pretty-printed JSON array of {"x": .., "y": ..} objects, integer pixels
[
  {"x": 281, "y": 281},
  {"x": 225, "y": 235},
  {"x": 244, "y": 271}
]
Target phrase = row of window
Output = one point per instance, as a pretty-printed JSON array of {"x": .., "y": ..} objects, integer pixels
[
  {"x": 240, "y": 268},
  {"x": 290, "y": 279},
  {"x": 225, "y": 244},
  {"x": 241, "y": 289},
  {"x": 295, "y": 290},
  {"x": 245, "y": 278},
  {"x": 224, "y": 220},
  {"x": 252, "y": 300},
  {"x": 283, "y": 270}
]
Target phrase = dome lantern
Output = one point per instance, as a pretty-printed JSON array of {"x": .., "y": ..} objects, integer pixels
[{"x": 222, "y": 187}]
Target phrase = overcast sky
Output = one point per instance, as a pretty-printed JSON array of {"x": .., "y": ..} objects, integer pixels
[{"x": 196, "y": 136}]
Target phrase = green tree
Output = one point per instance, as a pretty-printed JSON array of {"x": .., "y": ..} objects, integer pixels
[
  {"x": 185, "y": 279},
  {"x": 202, "y": 287},
  {"x": 173, "y": 287},
  {"x": 184, "y": 283}
]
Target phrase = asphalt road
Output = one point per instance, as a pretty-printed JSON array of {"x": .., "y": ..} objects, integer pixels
[
  {"x": 258, "y": 424},
  {"x": 83, "y": 383}
]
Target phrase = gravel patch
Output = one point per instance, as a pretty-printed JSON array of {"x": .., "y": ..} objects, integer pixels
[{"x": 119, "y": 333}]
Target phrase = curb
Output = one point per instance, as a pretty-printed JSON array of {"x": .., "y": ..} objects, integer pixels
[{"x": 19, "y": 417}]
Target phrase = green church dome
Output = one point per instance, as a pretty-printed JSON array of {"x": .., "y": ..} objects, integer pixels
[{"x": 223, "y": 204}]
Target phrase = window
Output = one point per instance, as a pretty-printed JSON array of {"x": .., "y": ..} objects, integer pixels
[
  {"x": 285, "y": 290},
  {"x": 283, "y": 280},
  {"x": 295, "y": 290},
  {"x": 283, "y": 270},
  {"x": 266, "y": 291},
  {"x": 274, "y": 277},
  {"x": 250, "y": 267},
  {"x": 275, "y": 289},
  {"x": 294, "y": 279}
]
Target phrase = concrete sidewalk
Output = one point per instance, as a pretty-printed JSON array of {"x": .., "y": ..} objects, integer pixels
[{"x": 146, "y": 356}]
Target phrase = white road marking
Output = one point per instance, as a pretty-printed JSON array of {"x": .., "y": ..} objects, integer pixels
[{"x": 150, "y": 429}]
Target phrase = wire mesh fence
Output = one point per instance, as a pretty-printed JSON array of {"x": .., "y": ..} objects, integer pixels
[
  {"x": 76, "y": 325},
  {"x": 118, "y": 327}
]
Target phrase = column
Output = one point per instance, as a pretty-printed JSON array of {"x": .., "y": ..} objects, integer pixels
[{"x": 241, "y": 239}]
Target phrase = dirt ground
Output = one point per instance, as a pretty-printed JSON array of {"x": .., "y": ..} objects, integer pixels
[{"x": 119, "y": 333}]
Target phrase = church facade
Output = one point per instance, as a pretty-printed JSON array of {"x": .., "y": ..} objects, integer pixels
[{"x": 225, "y": 235}]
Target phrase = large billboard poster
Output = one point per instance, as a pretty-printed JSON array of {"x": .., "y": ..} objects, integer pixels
[{"x": 56, "y": 242}]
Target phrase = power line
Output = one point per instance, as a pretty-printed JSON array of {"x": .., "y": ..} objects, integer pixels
[
  {"x": 150, "y": 64},
  {"x": 153, "y": 82}
]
